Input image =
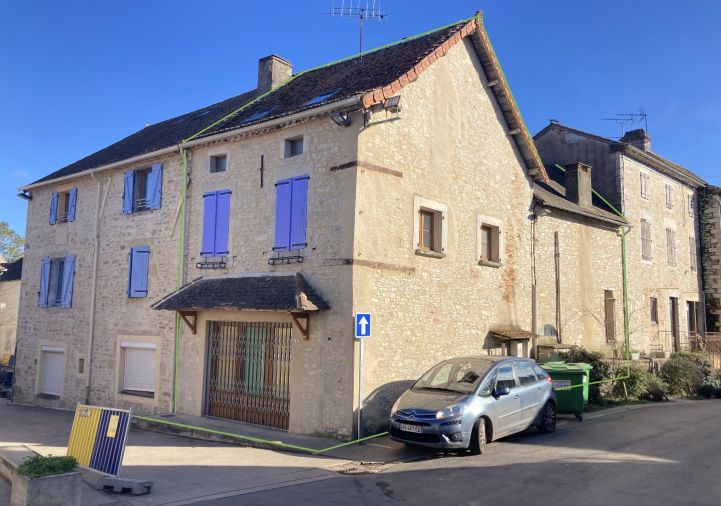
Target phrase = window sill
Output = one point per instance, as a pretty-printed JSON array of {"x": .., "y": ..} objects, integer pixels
[
  {"x": 489, "y": 263},
  {"x": 47, "y": 396},
  {"x": 137, "y": 393},
  {"x": 429, "y": 253}
]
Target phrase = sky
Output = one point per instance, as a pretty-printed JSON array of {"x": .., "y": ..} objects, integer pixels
[{"x": 76, "y": 76}]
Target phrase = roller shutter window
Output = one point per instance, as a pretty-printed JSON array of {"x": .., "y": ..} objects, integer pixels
[
  {"x": 53, "y": 359},
  {"x": 138, "y": 367}
]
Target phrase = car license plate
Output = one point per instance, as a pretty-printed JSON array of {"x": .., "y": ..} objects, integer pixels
[{"x": 411, "y": 428}]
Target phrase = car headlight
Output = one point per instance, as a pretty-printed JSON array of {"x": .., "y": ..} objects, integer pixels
[
  {"x": 450, "y": 412},
  {"x": 395, "y": 407}
]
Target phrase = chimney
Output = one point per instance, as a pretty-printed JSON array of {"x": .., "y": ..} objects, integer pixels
[
  {"x": 638, "y": 139},
  {"x": 578, "y": 184},
  {"x": 272, "y": 71}
]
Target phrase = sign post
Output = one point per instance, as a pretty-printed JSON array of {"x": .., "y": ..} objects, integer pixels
[{"x": 362, "y": 331}]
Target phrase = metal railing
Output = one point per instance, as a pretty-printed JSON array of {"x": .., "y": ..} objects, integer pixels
[{"x": 667, "y": 341}]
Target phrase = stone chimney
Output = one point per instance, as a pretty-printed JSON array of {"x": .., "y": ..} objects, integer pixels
[
  {"x": 272, "y": 71},
  {"x": 638, "y": 139},
  {"x": 578, "y": 184}
]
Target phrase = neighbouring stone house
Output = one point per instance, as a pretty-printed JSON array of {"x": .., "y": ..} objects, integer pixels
[
  {"x": 710, "y": 211},
  {"x": 660, "y": 201},
  {"x": 10, "y": 273}
]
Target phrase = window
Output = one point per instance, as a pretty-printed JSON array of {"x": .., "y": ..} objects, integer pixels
[
  {"x": 53, "y": 370},
  {"x": 138, "y": 262},
  {"x": 669, "y": 196},
  {"x": 691, "y": 206},
  {"x": 294, "y": 147},
  {"x": 693, "y": 260},
  {"x": 654, "y": 309},
  {"x": 671, "y": 246},
  {"x": 610, "y": 315},
  {"x": 525, "y": 373},
  {"x": 487, "y": 386},
  {"x": 429, "y": 231},
  {"x": 143, "y": 189},
  {"x": 138, "y": 368},
  {"x": 540, "y": 372},
  {"x": 62, "y": 206},
  {"x": 505, "y": 377},
  {"x": 489, "y": 247},
  {"x": 218, "y": 163},
  {"x": 426, "y": 230},
  {"x": 646, "y": 241},
  {"x": 692, "y": 317},
  {"x": 645, "y": 186},
  {"x": 216, "y": 223},
  {"x": 56, "y": 282},
  {"x": 291, "y": 209}
]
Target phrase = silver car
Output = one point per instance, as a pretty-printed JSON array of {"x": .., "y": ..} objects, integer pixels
[{"x": 463, "y": 403}]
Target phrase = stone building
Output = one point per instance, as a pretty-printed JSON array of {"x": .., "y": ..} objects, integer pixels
[
  {"x": 660, "y": 201},
  {"x": 10, "y": 274},
  {"x": 710, "y": 212},
  {"x": 211, "y": 264}
]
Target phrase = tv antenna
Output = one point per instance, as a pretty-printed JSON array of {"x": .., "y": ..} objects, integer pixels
[
  {"x": 351, "y": 9},
  {"x": 623, "y": 119}
]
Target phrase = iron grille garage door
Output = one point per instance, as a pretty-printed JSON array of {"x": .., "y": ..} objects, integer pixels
[{"x": 249, "y": 372}]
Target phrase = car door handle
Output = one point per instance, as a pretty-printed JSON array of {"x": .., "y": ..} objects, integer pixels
[{"x": 515, "y": 396}]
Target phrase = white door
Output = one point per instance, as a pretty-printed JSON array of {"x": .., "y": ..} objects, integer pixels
[{"x": 53, "y": 370}]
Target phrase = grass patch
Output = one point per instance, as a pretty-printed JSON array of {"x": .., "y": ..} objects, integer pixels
[{"x": 39, "y": 466}]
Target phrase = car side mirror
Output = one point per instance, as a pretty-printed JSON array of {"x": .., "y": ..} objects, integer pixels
[{"x": 501, "y": 391}]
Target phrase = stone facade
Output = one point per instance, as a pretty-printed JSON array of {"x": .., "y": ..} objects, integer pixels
[
  {"x": 710, "y": 211},
  {"x": 9, "y": 300}
]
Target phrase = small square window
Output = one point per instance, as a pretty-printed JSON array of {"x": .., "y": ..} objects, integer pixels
[
  {"x": 218, "y": 163},
  {"x": 294, "y": 147}
]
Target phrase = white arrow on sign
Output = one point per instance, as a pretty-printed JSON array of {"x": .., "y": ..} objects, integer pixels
[{"x": 363, "y": 322}]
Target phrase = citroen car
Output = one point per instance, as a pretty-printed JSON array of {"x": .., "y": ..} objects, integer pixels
[{"x": 465, "y": 403}]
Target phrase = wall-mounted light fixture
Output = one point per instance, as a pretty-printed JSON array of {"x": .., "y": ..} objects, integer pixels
[
  {"x": 25, "y": 195},
  {"x": 340, "y": 118},
  {"x": 393, "y": 104}
]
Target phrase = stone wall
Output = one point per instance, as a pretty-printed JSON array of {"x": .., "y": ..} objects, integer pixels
[
  {"x": 9, "y": 300},
  {"x": 710, "y": 211}
]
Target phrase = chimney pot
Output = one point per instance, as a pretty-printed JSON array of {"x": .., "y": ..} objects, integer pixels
[
  {"x": 638, "y": 139},
  {"x": 273, "y": 71},
  {"x": 578, "y": 184}
]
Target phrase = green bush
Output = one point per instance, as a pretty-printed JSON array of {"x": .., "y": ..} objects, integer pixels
[
  {"x": 685, "y": 373},
  {"x": 656, "y": 388},
  {"x": 699, "y": 358},
  {"x": 601, "y": 370},
  {"x": 641, "y": 384},
  {"x": 711, "y": 388},
  {"x": 38, "y": 466}
]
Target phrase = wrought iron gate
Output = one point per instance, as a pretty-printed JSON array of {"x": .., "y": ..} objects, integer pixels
[{"x": 249, "y": 372}]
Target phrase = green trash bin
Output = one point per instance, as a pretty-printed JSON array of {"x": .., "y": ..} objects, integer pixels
[{"x": 564, "y": 375}]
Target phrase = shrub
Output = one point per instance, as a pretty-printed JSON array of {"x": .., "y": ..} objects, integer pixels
[
  {"x": 699, "y": 358},
  {"x": 38, "y": 466},
  {"x": 601, "y": 370},
  {"x": 656, "y": 388},
  {"x": 641, "y": 384},
  {"x": 684, "y": 374},
  {"x": 711, "y": 388}
]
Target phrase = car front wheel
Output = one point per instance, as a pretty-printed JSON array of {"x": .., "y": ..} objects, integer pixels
[
  {"x": 548, "y": 418},
  {"x": 478, "y": 437}
]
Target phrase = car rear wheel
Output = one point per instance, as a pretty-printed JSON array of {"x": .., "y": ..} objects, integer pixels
[
  {"x": 548, "y": 418},
  {"x": 478, "y": 437}
]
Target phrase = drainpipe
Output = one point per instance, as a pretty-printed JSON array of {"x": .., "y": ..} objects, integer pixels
[{"x": 96, "y": 245}]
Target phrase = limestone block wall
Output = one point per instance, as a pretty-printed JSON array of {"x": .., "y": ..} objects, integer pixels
[
  {"x": 710, "y": 212},
  {"x": 9, "y": 301}
]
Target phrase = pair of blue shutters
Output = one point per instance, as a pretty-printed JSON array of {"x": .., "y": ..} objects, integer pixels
[
  {"x": 153, "y": 192},
  {"x": 291, "y": 208},
  {"x": 67, "y": 282},
  {"x": 138, "y": 261},
  {"x": 72, "y": 202},
  {"x": 216, "y": 222}
]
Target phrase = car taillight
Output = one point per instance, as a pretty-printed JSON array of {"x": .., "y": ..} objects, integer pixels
[{"x": 548, "y": 378}]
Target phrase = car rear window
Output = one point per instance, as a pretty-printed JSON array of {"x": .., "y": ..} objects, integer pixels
[
  {"x": 540, "y": 372},
  {"x": 459, "y": 375}
]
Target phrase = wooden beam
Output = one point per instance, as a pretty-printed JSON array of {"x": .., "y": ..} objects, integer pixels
[
  {"x": 304, "y": 331},
  {"x": 187, "y": 316}
]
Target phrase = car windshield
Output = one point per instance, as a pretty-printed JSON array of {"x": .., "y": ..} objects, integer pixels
[{"x": 458, "y": 375}]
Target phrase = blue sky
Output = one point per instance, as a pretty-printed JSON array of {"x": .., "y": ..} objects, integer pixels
[{"x": 76, "y": 76}]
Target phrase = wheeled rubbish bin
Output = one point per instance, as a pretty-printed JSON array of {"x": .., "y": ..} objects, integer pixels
[{"x": 570, "y": 380}]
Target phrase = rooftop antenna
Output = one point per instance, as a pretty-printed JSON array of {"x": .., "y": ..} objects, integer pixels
[
  {"x": 351, "y": 9},
  {"x": 623, "y": 118}
]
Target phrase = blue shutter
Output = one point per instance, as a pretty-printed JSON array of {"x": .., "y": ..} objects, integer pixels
[
  {"x": 210, "y": 200},
  {"x": 68, "y": 275},
  {"x": 53, "y": 208},
  {"x": 72, "y": 201},
  {"x": 155, "y": 186},
  {"x": 299, "y": 209},
  {"x": 222, "y": 222},
  {"x": 282, "y": 215},
  {"x": 128, "y": 192},
  {"x": 44, "y": 282},
  {"x": 138, "y": 271}
]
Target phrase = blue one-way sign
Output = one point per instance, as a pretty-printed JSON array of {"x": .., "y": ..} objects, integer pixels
[{"x": 362, "y": 325}]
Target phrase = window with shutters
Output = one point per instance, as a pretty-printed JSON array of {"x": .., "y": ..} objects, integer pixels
[
  {"x": 291, "y": 210},
  {"x": 645, "y": 185},
  {"x": 143, "y": 189},
  {"x": 646, "y": 241},
  {"x": 138, "y": 368},
  {"x": 693, "y": 260},
  {"x": 53, "y": 370},
  {"x": 429, "y": 232},
  {"x": 216, "y": 224},
  {"x": 56, "y": 282},
  {"x": 490, "y": 242},
  {"x": 138, "y": 264},
  {"x": 62, "y": 206},
  {"x": 671, "y": 246},
  {"x": 669, "y": 196}
]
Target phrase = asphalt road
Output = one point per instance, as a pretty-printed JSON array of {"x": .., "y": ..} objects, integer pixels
[{"x": 666, "y": 454}]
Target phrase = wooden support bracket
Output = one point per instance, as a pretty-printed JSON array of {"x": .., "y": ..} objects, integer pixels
[
  {"x": 305, "y": 331},
  {"x": 191, "y": 320}
]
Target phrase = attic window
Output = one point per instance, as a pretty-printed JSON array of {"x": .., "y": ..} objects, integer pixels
[
  {"x": 218, "y": 163},
  {"x": 294, "y": 146},
  {"x": 321, "y": 98},
  {"x": 258, "y": 115}
]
